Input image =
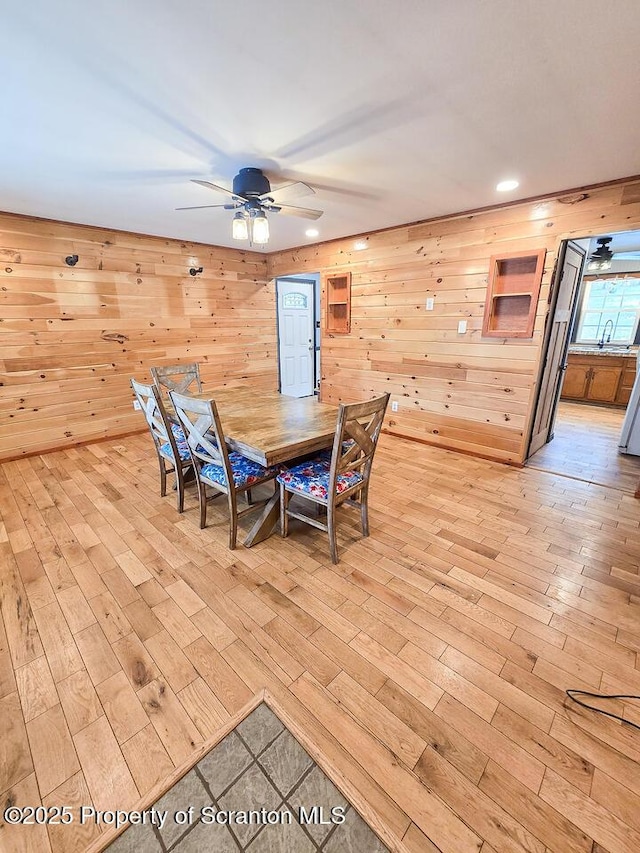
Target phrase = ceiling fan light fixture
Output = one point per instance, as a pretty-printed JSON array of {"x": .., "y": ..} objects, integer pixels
[
  {"x": 597, "y": 266},
  {"x": 260, "y": 224},
  {"x": 252, "y": 198},
  {"x": 601, "y": 258},
  {"x": 239, "y": 227}
]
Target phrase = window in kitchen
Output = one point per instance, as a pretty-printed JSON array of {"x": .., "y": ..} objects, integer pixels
[{"x": 610, "y": 311}]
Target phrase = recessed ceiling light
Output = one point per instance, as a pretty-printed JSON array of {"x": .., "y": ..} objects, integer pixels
[
  {"x": 312, "y": 232},
  {"x": 506, "y": 186},
  {"x": 360, "y": 244}
]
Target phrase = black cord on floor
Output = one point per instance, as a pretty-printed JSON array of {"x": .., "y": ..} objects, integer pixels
[{"x": 572, "y": 695}]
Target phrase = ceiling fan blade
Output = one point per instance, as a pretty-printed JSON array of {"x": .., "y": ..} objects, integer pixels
[
  {"x": 203, "y": 206},
  {"x": 215, "y": 187},
  {"x": 294, "y": 189},
  {"x": 290, "y": 210}
]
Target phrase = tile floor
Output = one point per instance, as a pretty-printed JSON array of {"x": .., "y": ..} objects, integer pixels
[{"x": 260, "y": 772}]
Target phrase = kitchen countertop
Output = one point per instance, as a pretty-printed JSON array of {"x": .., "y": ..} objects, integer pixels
[{"x": 605, "y": 351}]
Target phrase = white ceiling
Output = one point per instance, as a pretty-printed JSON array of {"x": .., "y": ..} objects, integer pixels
[{"x": 394, "y": 110}]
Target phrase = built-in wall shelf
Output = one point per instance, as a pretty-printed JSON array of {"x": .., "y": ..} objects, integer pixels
[
  {"x": 338, "y": 303},
  {"x": 512, "y": 294}
]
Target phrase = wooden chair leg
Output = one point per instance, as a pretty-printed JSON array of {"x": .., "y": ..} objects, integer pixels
[
  {"x": 248, "y": 495},
  {"x": 233, "y": 520},
  {"x": 331, "y": 526},
  {"x": 163, "y": 476},
  {"x": 285, "y": 497},
  {"x": 364, "y": 510},
  {"x": 202, "y": 495},
  {"x": 180, "y": 488}
]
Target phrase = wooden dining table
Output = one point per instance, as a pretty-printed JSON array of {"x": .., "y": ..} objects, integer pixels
[{"x": 271, "y": 429}]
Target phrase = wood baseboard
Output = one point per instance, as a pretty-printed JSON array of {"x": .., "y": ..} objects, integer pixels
[{"x": 69, "y": 445}]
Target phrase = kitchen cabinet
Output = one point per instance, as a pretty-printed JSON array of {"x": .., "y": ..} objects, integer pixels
[
  {"x": 576, "y": 381},
  {"x": 599, "y": 378},
  {"x": 626, "y": 381}
]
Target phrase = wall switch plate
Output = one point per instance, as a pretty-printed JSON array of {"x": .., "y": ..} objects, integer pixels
[
  {"x": 462, "y": 327},
  {"x": 136, "y": 405},
  {"x": 394, "y": 406},
  {"x": 430, "y": 303}
]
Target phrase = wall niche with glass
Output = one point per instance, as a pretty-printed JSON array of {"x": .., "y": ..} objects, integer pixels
[{"x": 512, "y": 294}]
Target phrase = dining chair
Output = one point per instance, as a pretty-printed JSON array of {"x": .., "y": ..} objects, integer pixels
[
  {"x": 168, "y": 438},
  {"x": 227, "y": 472},
  {"x": 176, "y": 377},
  {"x": 341, "y": 477}
]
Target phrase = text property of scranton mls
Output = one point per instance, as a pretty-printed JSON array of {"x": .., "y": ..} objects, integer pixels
[{"x": 52, "y": 815}]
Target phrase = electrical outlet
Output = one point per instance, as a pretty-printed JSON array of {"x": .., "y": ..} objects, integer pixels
[
  {"x": 136, "y": 405},
  {"x": 462, "y": 327},
  {"x": 430, "y": 303},
  {"x": 394, "y": 406}
]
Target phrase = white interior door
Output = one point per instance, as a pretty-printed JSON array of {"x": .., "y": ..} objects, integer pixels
[{"x": 296, "y": 336}]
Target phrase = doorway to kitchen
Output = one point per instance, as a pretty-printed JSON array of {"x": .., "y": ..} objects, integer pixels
[{"x": 589, "y": 366}]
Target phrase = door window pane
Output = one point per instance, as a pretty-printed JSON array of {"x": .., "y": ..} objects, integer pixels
[{"x": 294, "y": 300}]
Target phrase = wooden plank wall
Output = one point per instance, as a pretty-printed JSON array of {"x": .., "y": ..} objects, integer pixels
[
  {"x": 463, "y": 392},
  {"x": 71, "y": 337}
]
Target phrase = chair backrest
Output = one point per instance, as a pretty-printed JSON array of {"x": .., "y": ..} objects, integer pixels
[
  {"x": 356, "y": 438},
  {"x": 200, "y": 422},
  {"x": 176, "y": 377},
  {"x": 153, "y": 409}
]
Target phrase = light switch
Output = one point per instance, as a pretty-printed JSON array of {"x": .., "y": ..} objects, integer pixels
[
  {"x": 462, "y": 327},
  {"x": 430, "y": 303},
  {"x": 394, "y": 406}
]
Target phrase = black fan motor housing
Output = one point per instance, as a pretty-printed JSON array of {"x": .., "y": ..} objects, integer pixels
[
  {"x": 250, "y": 182},
  {"x": 603, "y": 252}
]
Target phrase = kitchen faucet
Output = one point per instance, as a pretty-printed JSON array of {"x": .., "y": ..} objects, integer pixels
[{"x": 601, "y": 342}]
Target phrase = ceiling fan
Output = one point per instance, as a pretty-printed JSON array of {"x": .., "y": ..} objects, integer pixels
[
  {"x": 252, "y": 197},
  {"x": 601, "y": 258}
]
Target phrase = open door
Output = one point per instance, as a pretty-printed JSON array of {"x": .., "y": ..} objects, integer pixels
[{"x": 562, "y": 308}]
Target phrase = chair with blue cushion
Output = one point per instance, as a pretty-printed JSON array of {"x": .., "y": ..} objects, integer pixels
[
  {"x": 216, "y": 467},
  {"x": 168, "y": 439},
  {"x": 183, "y": 378},
  {"x": 341, "y": 477}
]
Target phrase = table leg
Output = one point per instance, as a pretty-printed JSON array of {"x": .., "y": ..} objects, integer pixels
[{"x": 266, "y": 521}]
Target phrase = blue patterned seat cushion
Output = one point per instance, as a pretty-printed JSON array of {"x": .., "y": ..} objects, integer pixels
[
  {"x": 181, "y": 442},
  {"x": 245, "y": 471},
  {"x": 312, "y": 478},
  {"x": 183, "y": 451},
  {"x": 178, "y": 432}
]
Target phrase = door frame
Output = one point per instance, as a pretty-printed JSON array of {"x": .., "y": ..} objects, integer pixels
[{"x": 297, "y": 279}]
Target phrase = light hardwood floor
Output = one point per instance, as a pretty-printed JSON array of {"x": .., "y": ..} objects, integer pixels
[
  {"x": 428, "y": 667},
  {"x": 585, "y": 446}
]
